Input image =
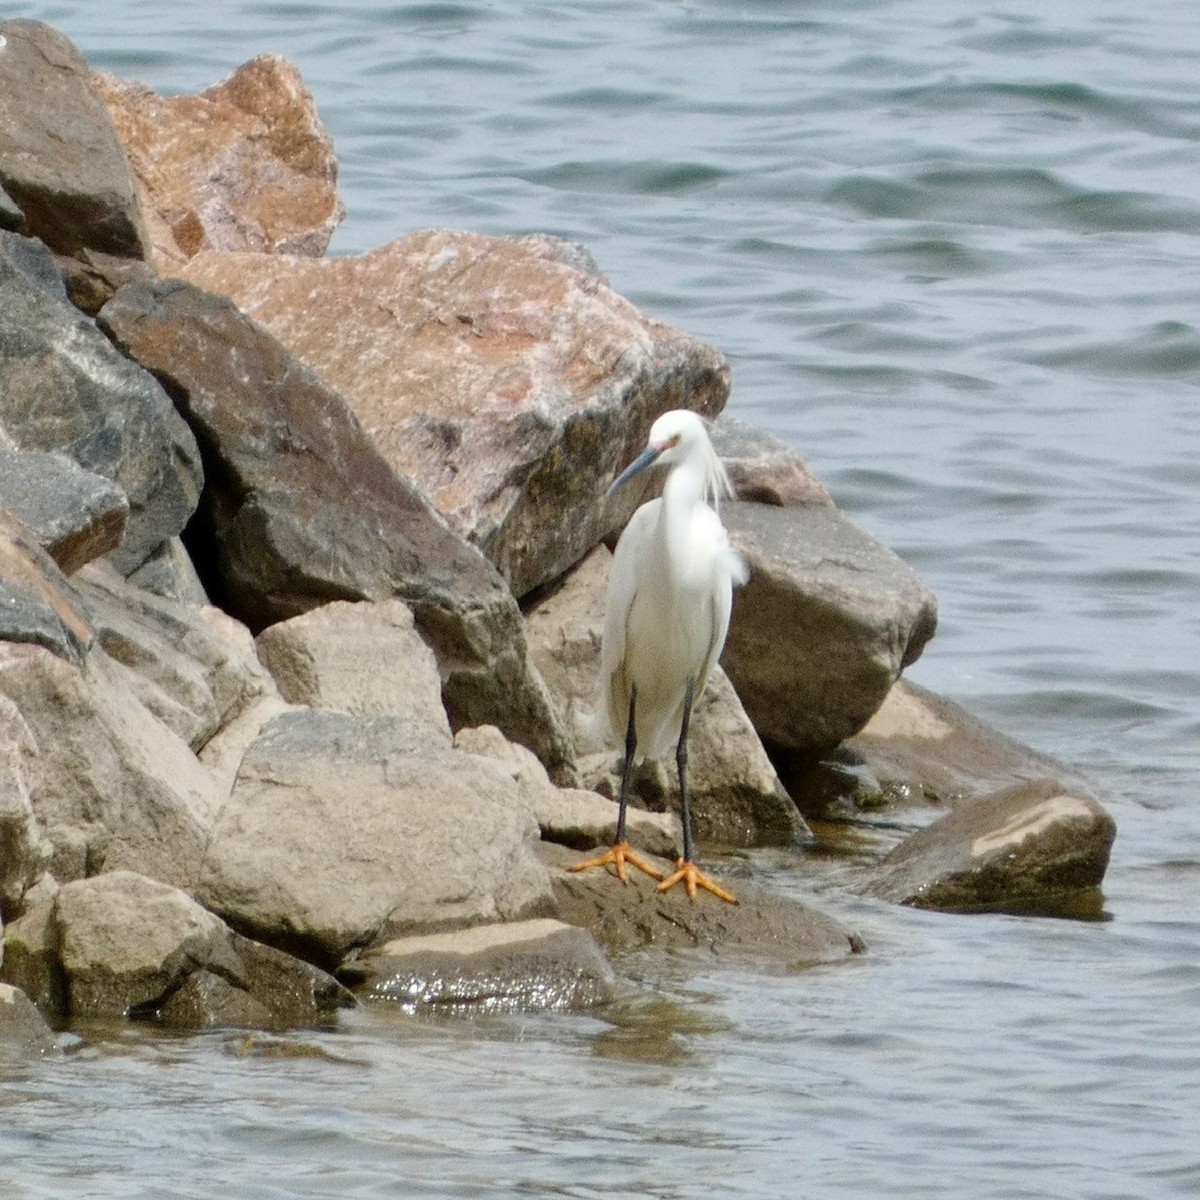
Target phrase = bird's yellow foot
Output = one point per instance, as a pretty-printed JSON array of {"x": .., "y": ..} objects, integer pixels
[
  {"x": 694, "y": 878},
  {"x": 618, "y": 855}
]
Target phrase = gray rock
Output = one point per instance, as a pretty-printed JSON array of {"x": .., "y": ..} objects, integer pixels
[
  {"x": 573, "y": 817},
  {"x": 75, "y": 515},
  {"x": 131, "y": 789},
  {"x": 535, "y": 965},
  {"x": 170, "y": 572},
  {"x": 301, "y": 509},
  {"x": 764, "y": 468},
  {"x": 365, "y": 658},
  {"x": 38, "y": 606},
  {"x": 823, "y": 629},
  {"x": 190, "y": 665},
  {"x": 130, "y": 946},
  {"x": 342, "y": 831},
  {"x": 24, "y": 851},
  {"x": 64, "y": 387},
  {"x": 11, "y": 217},
  {"x": 1034, "y": 847},
  {"x": 31, "y": 961},
  {"x": 23, "y": 1030},
  {"x": 737, "y": 798}
]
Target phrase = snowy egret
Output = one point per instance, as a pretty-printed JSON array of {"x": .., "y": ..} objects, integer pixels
[{"x": 670, "y": 593}]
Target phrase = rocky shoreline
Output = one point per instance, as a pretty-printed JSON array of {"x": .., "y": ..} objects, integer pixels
[{"x": 302, "y": 564}]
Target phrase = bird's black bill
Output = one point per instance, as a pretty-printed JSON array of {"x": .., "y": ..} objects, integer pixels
[{"x": 647, "y": 458}]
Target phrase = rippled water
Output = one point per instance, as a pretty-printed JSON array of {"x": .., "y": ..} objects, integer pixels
[{"x": 953, "y": 253}]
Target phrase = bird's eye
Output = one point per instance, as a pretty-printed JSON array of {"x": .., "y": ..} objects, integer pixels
[{"x": 674, "y": 440}]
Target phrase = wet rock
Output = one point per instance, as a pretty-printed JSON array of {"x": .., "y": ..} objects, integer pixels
[
  {"x": 822, "y": 630},
  {"x": 130, "y": 946},
  {"x": 573, "y": 817},
  {"x": 31, "y": 962},
  {"x": 65, "y": 387},
  {"x": 366, "y": 659},
  {"x": 1035, "y": 847},
  {"x": 508, "y": 385},
  {"x": 62, "y": 163},
  {"x": 300, "y": 509},
  {"x": 737, "y": 798},
  {"x": 24, "y": 851},
  {"x": 75, "y": 515},
  {"x": 130, "y": 789},
  {"x": 244, "y": 165},
  {"x": 924, "y": 748},
  {"x": 532, "y": 965},
  {"x": 38, "y": 606},
  {"x": 342, "y": 831},
  {"x": 764, "y": 468},
  {"x": 23, "y": 1030},
  {"x": 191, "y": 666},
  {"x": 763, "y": 925}
]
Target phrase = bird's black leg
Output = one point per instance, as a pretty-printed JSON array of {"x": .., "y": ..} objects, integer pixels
[
  {"x": 687, "y": 871},
  {"x": 627, "y": 766},
  {"x": 685, "y": 805}
]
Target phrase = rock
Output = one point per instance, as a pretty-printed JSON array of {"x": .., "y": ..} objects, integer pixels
[
  {"x": 763, "y": 925},
  {"x": 535, "y": 965},
  {"x": 342, "y": 831},
  {"x": 190, "y": 665},
  {"x": 37, "y": 605},
  {"x": 31, "y": 961},
  {"x": 63, "y": 165},
  {"x": 131, "y": 790},
  {"x": 301, "y": 510},
  {"x": 130, "y": 946},
  {"x": 75, "y": 515},
  {"x": 573, "y": 817},
  {"x": 1035, "y": 847},
  {"x": 506, "y": 384},
  {"x": 244, "y": 165},
  {"x": 65, "y": 387},
  {"x": 764, "y": 468},
  {"x": 24, "y": 851},
  {"x": 366, "y": 659},
  {"x": 23, "y": 1030},
  {"x": 170, "y": 573},
  {"x": 11, "y": 217},
  {"x": 923, "y": 748},
  {"x": 737, "y": 798},
  {"x": 824, "y": 627}
]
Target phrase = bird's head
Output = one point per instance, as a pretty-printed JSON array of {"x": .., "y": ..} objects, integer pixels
[{"x": 677, "y": 437}]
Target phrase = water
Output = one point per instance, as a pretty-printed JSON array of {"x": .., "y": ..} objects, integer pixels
[{"x": 952, "y": 252}]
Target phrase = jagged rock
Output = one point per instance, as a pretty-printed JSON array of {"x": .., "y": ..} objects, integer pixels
[
  {"x": 301, "y": 509},
  {"x": 131, "y": 946},
  {"x": 506, "y": 383},
  {"x": 342, "y": 831},
  {"x": 23, "y": 1030},
  {"x": 534, "y": 965},
  {"x": 11, "y": 217},
  {"x": 65, "y": 387},
  {"x": 737, "y": 798},
  {"x": 75, "y": 515},
  {"x": 37, "y": 605},
  {"x": 574, "y": 817},
  {"x": 130, "y": 789},
  {"x": 822, "y": 630},
  {"x": 190, "y": 665},
  {"x": 763, "y": 925},
  {"x": 170, "y": 572},
  {"x": 24, "y": 851},
  {"x": 764, "y": 468},
  {"x": 62, "y": 162},
  {"x": 366, "y": 659},
  {"x": 244, "y": 165},
  {"x": 1035, "y": 847}
]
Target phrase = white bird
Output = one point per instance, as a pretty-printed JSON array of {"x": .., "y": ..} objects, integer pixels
[{"x": 670, "y": 594}]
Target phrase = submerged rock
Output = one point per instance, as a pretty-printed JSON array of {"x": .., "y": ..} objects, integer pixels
[
  {"x": 508, "y": 384},
  {"x": 521, "y": 966},
  {"x": 1035, "y": 847}
]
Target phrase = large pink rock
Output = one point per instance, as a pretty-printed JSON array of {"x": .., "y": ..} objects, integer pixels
[
  {"x": 503, "y": 376},
  {"x": 245, "y": 165}
]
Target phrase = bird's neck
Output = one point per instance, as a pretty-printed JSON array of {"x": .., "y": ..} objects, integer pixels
[{"x": 683, "y": 492}]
